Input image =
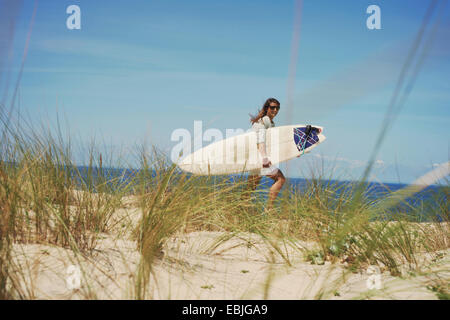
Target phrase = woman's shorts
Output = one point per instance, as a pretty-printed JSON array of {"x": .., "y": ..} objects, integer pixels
[{"x": 264, "y": 171}]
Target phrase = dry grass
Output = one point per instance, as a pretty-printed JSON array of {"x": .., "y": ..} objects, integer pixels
[{"x": 46, "y": 199}]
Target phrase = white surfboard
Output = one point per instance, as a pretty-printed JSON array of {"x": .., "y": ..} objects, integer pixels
[{"x": 239, "y": 153}]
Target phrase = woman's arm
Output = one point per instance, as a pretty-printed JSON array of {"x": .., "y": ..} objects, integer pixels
[
  {"x": 262, "y": 151},
  {"x": 261, "y": 142}
]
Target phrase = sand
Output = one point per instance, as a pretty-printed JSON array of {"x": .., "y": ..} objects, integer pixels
[{"x": 200, "y": 265}]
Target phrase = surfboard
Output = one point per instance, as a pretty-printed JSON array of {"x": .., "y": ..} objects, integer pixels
[{"x": 239, "y": 153}]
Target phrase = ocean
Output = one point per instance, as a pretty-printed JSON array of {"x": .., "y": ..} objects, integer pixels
[{"x": 429, "y": 203}]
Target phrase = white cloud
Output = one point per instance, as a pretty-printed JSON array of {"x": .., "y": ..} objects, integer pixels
[
  {"x": 379, "y": 163},
  {"x": 435, "y": 165}
]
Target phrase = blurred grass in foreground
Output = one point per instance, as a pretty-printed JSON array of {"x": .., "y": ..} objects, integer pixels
[{"x": 45, "y": 198}]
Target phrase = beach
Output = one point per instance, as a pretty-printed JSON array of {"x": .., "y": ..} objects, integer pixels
[{"x": 212, "y": 265}]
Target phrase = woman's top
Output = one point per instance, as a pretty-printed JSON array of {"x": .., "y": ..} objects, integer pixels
[{"x": 260, "y": 128}]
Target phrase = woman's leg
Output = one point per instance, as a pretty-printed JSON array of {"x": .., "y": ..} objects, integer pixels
[
  {"x": 276, "y": 187},
  {"x": 253, "y": 181}
]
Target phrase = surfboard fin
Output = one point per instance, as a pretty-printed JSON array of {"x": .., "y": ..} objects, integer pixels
[{"x": 308, "y": 130}]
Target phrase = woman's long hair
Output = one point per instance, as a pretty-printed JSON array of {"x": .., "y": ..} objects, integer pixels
[{"x": 263, "y": 110}]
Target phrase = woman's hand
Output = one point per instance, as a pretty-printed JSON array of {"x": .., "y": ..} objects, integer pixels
[{"x": 266, "y": 162}]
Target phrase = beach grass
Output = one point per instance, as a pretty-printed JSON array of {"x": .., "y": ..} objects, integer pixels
[{"x": 47, "y": 198}]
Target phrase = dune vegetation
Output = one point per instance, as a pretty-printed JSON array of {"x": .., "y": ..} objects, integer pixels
[{"x": 144, "y": 233}]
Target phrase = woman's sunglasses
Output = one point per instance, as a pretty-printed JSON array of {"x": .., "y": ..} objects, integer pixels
[{"x": 274, "y": 107}]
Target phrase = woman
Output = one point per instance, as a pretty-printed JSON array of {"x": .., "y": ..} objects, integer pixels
[{"x": 260, "y": 124}]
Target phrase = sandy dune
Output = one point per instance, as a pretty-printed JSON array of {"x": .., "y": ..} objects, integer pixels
[{"x": 207, "y": 265}]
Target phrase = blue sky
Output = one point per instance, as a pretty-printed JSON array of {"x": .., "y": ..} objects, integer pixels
[{"x": 138, "y": 70}]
